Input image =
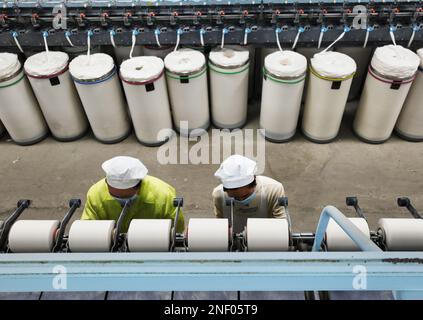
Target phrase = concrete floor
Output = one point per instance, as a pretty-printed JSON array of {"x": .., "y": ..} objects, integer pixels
[{"x": 51, "y": 172}]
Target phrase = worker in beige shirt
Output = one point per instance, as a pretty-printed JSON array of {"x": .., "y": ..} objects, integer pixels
[{"x": 253, "y": 196}]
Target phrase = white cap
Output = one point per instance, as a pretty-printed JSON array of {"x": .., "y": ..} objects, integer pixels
[
  {"x": 46, "y": 63},
  {"x": 229, "y": 57},
  {"x": 236, "y": 172},
  {"x": 286, "y": 63},
  {"x": 95, "y": 66},
  {"x": 124, "y": 172},
  {"x": 333, "y": 64},
  {"x": 141, "y": 68},
  {"x": 9, "y": 64},
  {"x": 395, "y": 61},
  {"x": 184, "y": 61}
]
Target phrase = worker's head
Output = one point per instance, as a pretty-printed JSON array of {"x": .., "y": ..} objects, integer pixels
[
  {"x": 237, "y": 174},
  {"x": 242, "y": 195},
  {"x": 124, "y": 176}
]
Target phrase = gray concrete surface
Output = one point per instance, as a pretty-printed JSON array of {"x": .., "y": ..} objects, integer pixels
[{"x": 51, "y": 172}]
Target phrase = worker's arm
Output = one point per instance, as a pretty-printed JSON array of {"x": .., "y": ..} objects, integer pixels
[
  {"x": 275, "y": 193},
  {"x": 217, "y": 204},
  {"x": 89, "y": 213}
]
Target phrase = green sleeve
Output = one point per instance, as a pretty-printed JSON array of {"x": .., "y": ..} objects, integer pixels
[{"x": 89, "y": 212}]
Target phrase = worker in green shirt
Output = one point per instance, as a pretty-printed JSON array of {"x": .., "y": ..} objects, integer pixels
[{"x": 127, "y": 179}]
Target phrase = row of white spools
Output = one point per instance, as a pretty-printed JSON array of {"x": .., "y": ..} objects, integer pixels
[
  {"x": 204, "y": 235},
  {"x": 94, "y": 78},
  {"x": 154, "y": 99},
  {"x": 386, "y": 101}
]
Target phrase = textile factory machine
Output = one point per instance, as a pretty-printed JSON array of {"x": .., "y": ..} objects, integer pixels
[
  {"x": 242, "y": 22},
  {"x": 266, "y": 256}
]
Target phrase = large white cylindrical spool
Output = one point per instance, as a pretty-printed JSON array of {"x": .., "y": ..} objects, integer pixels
[
  {"x": 262, "y": 53},
  {"x": 56, "y": 94},
  {"x": 402, "y": 234},
  {"x": 252, "y": 65},
  {"x": 330, "y": 80},
  {"x": 229, "y": 86},
  {"x": 101, "y": 94},
  {"x": 391, "y": 73},
  {"x": 208, "y": 235},
  {"x": 149, "y": 235},
  {"x": 267, "y": 234},
  {"x": 283, "y": 82},
  {"x": 91, "y": 235},
  {"x": 19, "y": 110},
  {"x": 146, "y": 92},
  {"x": 361, "y": 57},
  {"x": 338, "y": 240},
  {"x": 186, "y": 73},
  {"x": 410, "y": 122},
  {"x": 33, "y": 235},
  {"x": 308, "y": 52}
]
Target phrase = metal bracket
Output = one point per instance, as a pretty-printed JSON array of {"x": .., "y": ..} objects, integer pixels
[
  {"x": 353, "y": 202},
  {"x": 4, "y": 233},
  {"x": 406, "y": 202},
  {"x": 283, "y": 202},
  {"x": 178, "y": 203},
  {"x": 230, "y": 202},
  {"x": 74, "y": 204},
  {"x": 119, "y": 237}
]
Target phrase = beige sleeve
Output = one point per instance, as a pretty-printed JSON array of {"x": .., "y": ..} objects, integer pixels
[
  {"x": 274, "y": 192},
  {"x": 217, "y": 203}
]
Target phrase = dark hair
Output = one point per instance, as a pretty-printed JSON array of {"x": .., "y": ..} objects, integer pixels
[
  {"x": 251, "y": 185},
  {"x": 137, "y": 185},
  {"x": 134, "y": 187}
]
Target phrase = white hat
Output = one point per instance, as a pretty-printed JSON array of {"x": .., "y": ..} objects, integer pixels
[
  {"x": 124, "y": 172},
  {"x": 236, "y": 171}
]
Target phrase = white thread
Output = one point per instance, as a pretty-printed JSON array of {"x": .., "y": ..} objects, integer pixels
[
  {"x": 223, "y": 39},
  {"x": 246, "y": 32},
  {"x": 156, "y": 34},
  {"x": 320, "y": 40},
  {"x": 68, "y": 39},
  {"x": 337, "y": 39},
  {"x": 134, "y": 39},
  {"x": 366, "y": 39},
  {"x": 296, "y": 39},
  {"x": 178, "y": 37},
  {"x": 411, "y": 39},
  {"x": 45, "y": 44},
  {"x": 112, "y": 38},
  {"x": 391, "y": 33},
  {"x": 18, "y": 44},
  {"x": 277, "y": 40},
  {"x": 201, "y": 38}
]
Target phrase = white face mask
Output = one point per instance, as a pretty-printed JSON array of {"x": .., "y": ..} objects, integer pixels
[
  {"x": 123, "y": 201},
  {"x": 247, "y": 200}
]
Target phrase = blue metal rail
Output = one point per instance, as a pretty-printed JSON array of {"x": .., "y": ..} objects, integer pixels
[
  {"x": 288, "y": 271},
  {"x": 364, "y": 243}
]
